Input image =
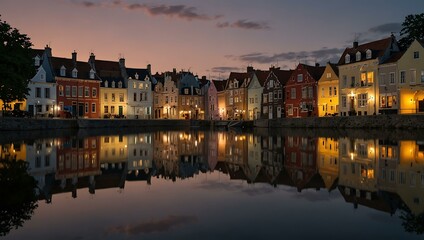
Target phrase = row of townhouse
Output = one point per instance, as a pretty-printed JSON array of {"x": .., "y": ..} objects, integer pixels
[{"x": 371, "y": 78}]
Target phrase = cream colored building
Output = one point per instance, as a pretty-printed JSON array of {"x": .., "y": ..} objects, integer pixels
[
  {"x": 328, "y": 91},
  {"x": 411, "y": 79},
  {"x": 328, "y": 160},
  {"x": 358, "y": 71},
  {"x": 113, "y": 99}
]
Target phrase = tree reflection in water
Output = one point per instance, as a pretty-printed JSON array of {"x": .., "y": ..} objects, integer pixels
[
  {"x": 18, "y": 200},
  {"x": 411, "y": 222}
]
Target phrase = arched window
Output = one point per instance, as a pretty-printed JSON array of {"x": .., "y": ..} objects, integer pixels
[
  {"x": 347, "y": 58},
  {"x": 106, "y": 84},
  {"x": 113, "y": 84},
  {"x": 119, "y": 84},
  {"x": 75, "y": 73},
  {"x": 358, "y": 56},
  {"x": 62, "y": 71},
  {"x": 369, "y": 53}
]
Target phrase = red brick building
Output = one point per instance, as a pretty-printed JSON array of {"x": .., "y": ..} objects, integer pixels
[
  {"x": 301, "y": 91},
  {"x": 78, "y": 88}
]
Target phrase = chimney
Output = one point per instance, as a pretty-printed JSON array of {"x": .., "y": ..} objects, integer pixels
[
  {"x": 48, "y": 51},
  {"x": 249, "y": 69},
  {"x": 174, "y": 71},
  {"x": 74, "y": 57},
  {"x": 122, "y": 62},
  {"x": 355, "y": 44},
  {"x": 316, "y": 64},
  {"x": 92, "y": 61},
  {"x": 149, "y": 69}
]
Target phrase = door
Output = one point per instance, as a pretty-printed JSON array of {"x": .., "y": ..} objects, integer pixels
[
  {"x": 80, "y": 109},
  {"x": 278, "y": 112},
  {"x": 121, "y": 111},
  {"x": 270, "y": 112}
]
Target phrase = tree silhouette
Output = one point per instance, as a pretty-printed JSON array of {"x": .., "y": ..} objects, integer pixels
[
  {"x": 16, "y": 64},
  {"x": 412, "y": 28},
  {"x": 411, "y": 222},
  {"x": 18, "y": 200}
]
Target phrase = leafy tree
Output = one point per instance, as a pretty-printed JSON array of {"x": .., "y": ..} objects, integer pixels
[
  {"x": 412, "y": 28},
  {"x": 16, "y": 64},
  {"x": 18, "y": 200}
]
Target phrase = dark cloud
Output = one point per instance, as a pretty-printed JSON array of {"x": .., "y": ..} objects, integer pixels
[
  {"x": 321, "y": 55},
  {"x": 225, "y": 69},
  {"x": 386, "y": 28},
  {"x": 244, "y": 24},
  {"x": 178, "y": 11},
  {"x": 255, "y": 190},
  {"x": 153, "y": 226},
  {"x": 89, "y": 4}
]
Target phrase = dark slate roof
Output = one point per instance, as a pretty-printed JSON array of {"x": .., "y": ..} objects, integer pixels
[
  {"x": 335, "y": 68},
  {"x": 315, "y": 71},
  {"x": 241, "y": 77},
  {"x": 107, "y": 69},
  {"x": 377, "y": 48},
  {"x": 188, "y": 81},
  {"x": 220, "y": 85},
  {"x": 141, "y": 72},
  {"x": 282, "y": 75},
  {"x": 82, "y": 67},
  {"x": 262, "y": 76},
  {"x": 160, "y": 78},
  {"x": 394, "y": 57},
  {"x": 45, "y": 62}
]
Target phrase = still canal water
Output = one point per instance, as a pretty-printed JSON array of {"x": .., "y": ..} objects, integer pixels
[{"x": 194, "y": 184}]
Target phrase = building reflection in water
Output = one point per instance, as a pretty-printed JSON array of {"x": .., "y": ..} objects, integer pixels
[{"x": 382, "y": 174}]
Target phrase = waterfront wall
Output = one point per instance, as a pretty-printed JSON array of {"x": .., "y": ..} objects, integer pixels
[{"x": 353, "y": 122}]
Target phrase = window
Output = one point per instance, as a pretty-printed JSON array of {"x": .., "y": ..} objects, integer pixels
[
  {"x": 112, "y": 109},
  {"x": 105, "y": 97},
  {"x": 113, "y": 97},
  {"x": 62, "y": 71},
  {"x": 74, "y": 91},
  {"x": 416, "y": 55},
  {"x": 61, "y": 90},
  {"x": 304, "y": 92},
  {"x": 270, "y": 97},
  {"x": 134, "y": 85},
  {"x": 352, "y": 81},
  {"x": 38, "y": 92},
  {"x": 271, "y": 83},
  {"x": 75, "y": 73},
  {"x": 344, "y": 81},
  {"x": 368, "y": 54},
  {"x": 330, "y": 91},
  {"x": 422, "y": 76},
  {"x": 328, "y": 75},
  {"x": 358, "y": 56},
  {"x": 382, "y": 79},
  {"x": 293, "y": 93},
  {"x": 68, "y": 91},
  {"x": 335, "y": 91},
  {"x": 80, "y": 91},
  {"x": 47, "y": 92},
  {"x": 344, "y": 101},
  {"x": 93, "y": 107},
  {"x": 106, "y": 84},
  {"x": 140, "y": 86},
  {"x": 141, "y": 97},
  {"x": 186, "y": 91},
  {"x": 362, "y": 100},
  {"x": 347, "y": 58},
  {"x": 135, "y": 97},
  {"x": 94, "y": 92},
  {"x": 235, "y": 84},
  {"x": 402, "y": 76},
  {"x": 280, "y": 95},
  {"x": 87, "y": 92},
  {"x": 106, "y": 109},
  {"x": 392, "y": 78},
  {"x": 121, "y": 97},
  {"x": 299, "y": 77},
  {"x": 265, "y": 98},
  {"x": 113, "y": 84},
  {"x": 413, "y": 76},
  {"x": 370, "y": 78},
  {"x": 119, "y": 84},
  {"x": 86, "y": 107}
]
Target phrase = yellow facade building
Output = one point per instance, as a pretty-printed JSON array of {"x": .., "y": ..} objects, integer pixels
[{"x": 328, "y": 90}]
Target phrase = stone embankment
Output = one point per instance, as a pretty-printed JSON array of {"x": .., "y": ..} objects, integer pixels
[{"x": 356, "y": 122}]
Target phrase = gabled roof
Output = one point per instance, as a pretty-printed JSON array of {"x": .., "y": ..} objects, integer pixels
[
  {"x": 334, "y": 68},
  {"x": 83, "y": 68},
  {"x": 315, "y": 71},
  {"x": 394, "y": 57},
  {"x": 282, "y": 75},
  {"x": 141, "y": 72},
  {"x": 262, "y": 76},
  {"x": 188, "y": 81},
  {"x": 220, "y": 85},
  {"x": 107, "y": 69},
  {"x": 240, "y": 77},
  {"x": 378, "y": 49}
]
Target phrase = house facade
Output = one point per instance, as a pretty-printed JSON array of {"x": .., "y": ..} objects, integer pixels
[
  {"x": 165, "y": 96},
  {"x": 78, "y": 87},
  {"x": 273, "y": 93},
  {"x": 301, "y": 91},
  {"x": 236, "y": 94},
  {"x": 358, "y": 71},
  {"x": 211, "y": 99},
  {"x": 254, "y": 93},
  {"x": 140, "y": 92},
  {"x": 190, "y": 100},
  {"x": 328, "y": 95},
  {"x": 411, "y": 79},
  {"x": 221, "y": 97},
  {"x": 388, "y": 100}
]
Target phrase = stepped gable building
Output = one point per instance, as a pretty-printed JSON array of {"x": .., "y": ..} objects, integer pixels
[
  {"x": 328, "y": 94},
  {"x": 78, "y": 87},
  {"x": 165, "y": 95},
  {"x": 273, "y": 93},
  {"x": 301, "y": 91},
  {"x": 358, "y": 71}
]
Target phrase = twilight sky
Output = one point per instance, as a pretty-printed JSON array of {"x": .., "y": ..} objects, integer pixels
[{"x": 206, "y": 37}]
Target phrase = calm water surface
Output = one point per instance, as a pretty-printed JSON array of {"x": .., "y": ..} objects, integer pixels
[{"x": 196, "y": 184}]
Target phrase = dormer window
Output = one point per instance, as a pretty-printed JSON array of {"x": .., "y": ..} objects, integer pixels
[
  {"x": 358, "y": 56},
  {"x": 347, "y": 58},
  {"x": 92, "y": 72},
  {"x": 119, "y": 84},
  {"x": 106, "y": 84},
  {"x": 235, "y": 84},
  {"x": 113, "y": 84},
  {"x": 75, "y": 73},
  {"x": 62, "y": 71},
  {"x": 369, "y": 53},
  {"x": 136, "y": 76},
  {"x": 37, "y": 61},
  {"x": 146, "y": 78}
]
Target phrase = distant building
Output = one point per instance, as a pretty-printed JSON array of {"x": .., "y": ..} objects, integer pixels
[
  {"x": 191, "y": 102},
  {"x": 328, "y": 91},
  {"x": 254, "y": 93},
  {"x": 273, "y": 93}
]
